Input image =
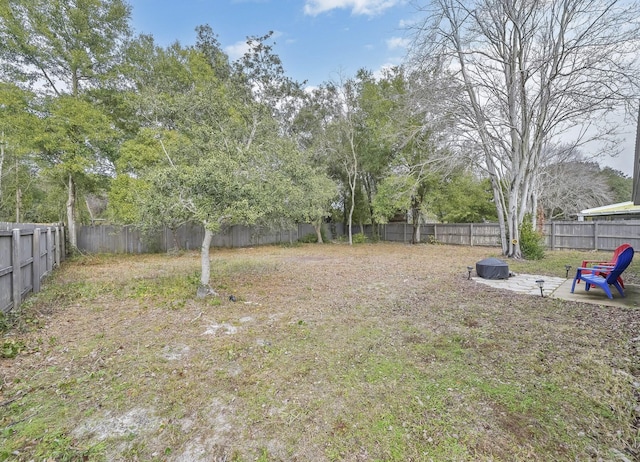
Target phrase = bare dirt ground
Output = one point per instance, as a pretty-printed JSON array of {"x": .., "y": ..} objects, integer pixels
[{"x": 370, "y": 352}]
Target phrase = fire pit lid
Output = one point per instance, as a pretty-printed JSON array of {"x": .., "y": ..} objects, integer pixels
[{"x": 492, "y": 268}]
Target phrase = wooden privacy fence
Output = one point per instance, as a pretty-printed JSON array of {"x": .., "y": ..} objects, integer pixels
[
  {"x": 595, "y": 235},
  {"x": 592, "y": 235},
  {"x": 128, "y": 239},
  {"x": 27, "y": 254},
  {"x": 558, "y": 235},
  {"x": 480, "y": 234},
  {"x": 568, "y": 235}
]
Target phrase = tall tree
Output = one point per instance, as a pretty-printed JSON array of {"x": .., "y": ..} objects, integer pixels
[
  {"x": 208, "y": 151},
  {"x": 422, "y": 156},
  {"x": 621, "y": 185},
  {"x": 531, "y": 72},
  {"x": 18, "y": 122},
  {"x": 569, "y": 186},
  {"x": 462, "y": 198},
  {"x": 344, "y": 146},
  {"x": 379, "y": 102},
  {"x": 329, "y": 126},
  {"x": 63, "y": 49},
  {"x": 262, "y": 70}
]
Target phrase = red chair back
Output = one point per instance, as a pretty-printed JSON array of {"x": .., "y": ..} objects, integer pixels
[
  {"x": 618, "y": 251},
  {"x": 624, "y": 259}
]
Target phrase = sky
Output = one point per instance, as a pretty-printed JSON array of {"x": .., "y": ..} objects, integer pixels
[{"x": 317, "y": 40}]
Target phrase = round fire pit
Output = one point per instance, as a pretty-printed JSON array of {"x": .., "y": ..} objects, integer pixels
[{"x": 492, "y": 268}]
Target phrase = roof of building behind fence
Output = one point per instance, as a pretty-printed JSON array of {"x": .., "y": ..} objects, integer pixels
[{"x": 619, "y": 210}]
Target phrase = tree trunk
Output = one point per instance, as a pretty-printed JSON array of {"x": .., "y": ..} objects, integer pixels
[
  {"x": 318, "y": 227},
  {"x": 415, "y": 219},
  {"x": 174, "y": 236},
  {"x": 18, "y": 193},
  {"x": 71, "y": 213},
  {"x": 352, "y": 186},
  {"x": 369, "y": 190},
  {"x": 18, "y": 203},
  {"x": 204, "y": 288},
  {"x": 498, "y": 199},
  {"x": 416, "y": 233},
  {"x": 2, "y": 142},
  {"x": 352, "y": 174},
  {"x": 512, "y": 222}
]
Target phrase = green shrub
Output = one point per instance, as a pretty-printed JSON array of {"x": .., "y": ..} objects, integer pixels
[
  {"x": 531, "y": 241},
  {"x": 312, "y": 238},
  {"x": 308, "y": 238},
  {"x": 359, "y": 238}
]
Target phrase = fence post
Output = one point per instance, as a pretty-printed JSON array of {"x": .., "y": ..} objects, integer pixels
[
  {"x": 35, "y": 265},
  {"x": 553, "y": 236},
  {"x": 471, "y": 234},
  {"x": 57, "y": 255},
  {"x": 49, "y": 250},
  {"x": 595, "y": 235},
  {"x": 63, "y": 246},
  {"x": 16, "y": 275}
]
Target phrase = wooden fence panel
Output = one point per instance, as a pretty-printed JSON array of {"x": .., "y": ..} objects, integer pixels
[
  {"x": 6, "y": 271},
  {"x": 26, "y": 263},
  {"x": 127, "y": 239},
  {"x": 44, "y": 253},
  {"x": 27, "y": 254},
  {"x": 592, "y": 235},
  {"x": 570, "y": 235},
  {"x": 454, "y": 234},
  {"x": 486, "y": 234},
  {"x": 610, "y": 235}
]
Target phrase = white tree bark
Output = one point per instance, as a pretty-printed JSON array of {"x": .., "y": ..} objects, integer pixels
[
  {"x": 351, "y": 168},
  {"x": 205, "y": 265},
  {"x": 71, "y": 212},
  {"x": 317, "y": 225},
  {"x": 532, "y": 72},
  {"x": 2, "y": 143}
]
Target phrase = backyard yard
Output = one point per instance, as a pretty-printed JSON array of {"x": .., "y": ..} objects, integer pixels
[{"x": 328, "y": 352}]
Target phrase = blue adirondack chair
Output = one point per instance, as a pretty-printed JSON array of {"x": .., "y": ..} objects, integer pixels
[{"x": 605, "y": 276}]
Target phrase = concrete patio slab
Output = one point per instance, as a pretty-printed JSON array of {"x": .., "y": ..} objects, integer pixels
[
  {"x": 597, "y": 296},
  {"x": 524, "y": 283},
  {"x": 555, "y": 287}
]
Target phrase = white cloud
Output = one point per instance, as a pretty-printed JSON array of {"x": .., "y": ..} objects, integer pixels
[
  {"x": 409, "y": 23},
  {"x": 366, "y": 7},
  {"x": 380, "y": 72},
  {"x": 237, "y": 50},
  {"x": 397, "y": 42}
]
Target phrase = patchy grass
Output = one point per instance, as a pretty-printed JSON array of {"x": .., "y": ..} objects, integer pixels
[{"x": 330, "y": 353}]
